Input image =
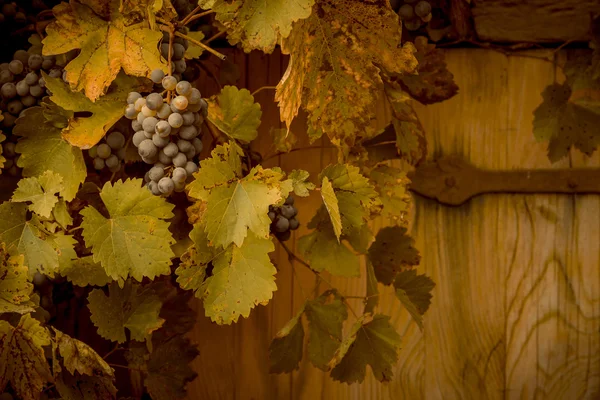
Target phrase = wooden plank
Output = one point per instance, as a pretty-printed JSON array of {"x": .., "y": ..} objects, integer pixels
[{"x": 533, "y": 20}]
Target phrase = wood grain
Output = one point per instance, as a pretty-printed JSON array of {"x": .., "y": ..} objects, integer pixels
[{"x": 516, "y": 309}]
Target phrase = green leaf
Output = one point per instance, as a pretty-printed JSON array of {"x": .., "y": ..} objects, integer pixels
[
  {"x": 235, "y": 113},
  {"x": 44, "y": 149},
  {"x": 83, "y": 131},
  {"x": 61, "y": 214},
  {"x": 391, "y": 184},
  {"x": 284, "y": 140},
  {"x": 354, "y": 193},
  {"x": 372, "y": 290},
  {"x": 22, "y": 359},
  {"x": 169, "y": 370},
  {"x": 323, "y": 251},
  {"x": 242, "y": 278},
  {"x": 414, "y": 292},
  {"x": 337, "y": 81},
  {"x": 131, "y": 307},
  {"x": 134, "y": 240},
  {"x": 193, "y": 50},
  {"x": 40, "y": 192},
  {"x": 78, "y": 356},
  {"x": 302, "y": 186},
  {"x": 84, "y": 272},
  {"x": 392, "y": 251},
  {"x": 258, "y": 25},
  {"x": 326, "y": 315},
  {"x": 373, "y": 341},
  {"x": 359, "y": 238},
  {"x": 191, "y": 272},
  {"x": 285, "y": 351},
  {"x": 332, "y": 206},
  {"x": 15, "y": 289}
]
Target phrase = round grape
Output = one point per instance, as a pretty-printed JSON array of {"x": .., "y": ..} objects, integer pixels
[
  {"x": 179, "y": 174},
  {"x": 171, "y": 150},
  {"x": 163, "y": 158},
  {"x": 281, "y": 224},
  {"x": 55, "y": 73},
  {"x": 188, "y": 118},
  {"x": 8, "y": 90},
  {"x": 198, "y": 145},
  {"x": 149, "y": 124},
  {"x": 140, "y": 118},
  {"x": 48, "y": 62},
  {"x": 164, "y": 111},
  {"x": 159, "y": 141},
  {"x": 35, "y": 61},
  {"x": 184, "y": 145},
  {"x": 104, "y": 151},
  {"x": 42, "y": 82},
  {"x": 148, "y": 112},
  {"x": 130, "y": 112},
  {"x": 183, "y": 88},
  {"x": 169, "y": 82},
  {"x": 190, "y": 153},
  {"x": 132, "y": 97},
  {"x": 154, "y": 101},
  {"x": 31, "y": 78},
  {"x": 191, "y": 167},
  {"x": 156, "y": 173},
  {"x": 138, "y": 138},
  {"x": 194, "y": 107},
  {"x": 115, "y": 140},
  {"x": 9, "y": 149},
  {"x": 163, "y": 129},
  {"x": 290, "y": 200},
  {"x": 28, "y": 101},
  {"x": 98, "y": 163},
  {"x": 139, "y": 103},
  {"x": 112, "y": 161},
  {"x": 5, "y": 77},
  {"x": 188, "y": 132},
  {"x": 194, "y": 96},
  {"x": 272, "y": 215},
  {"x": 153, "y": 186},
  {"x": 294, "y": 224},
  {"x": 93, "y": 151},
  {"x": 164, "y": 50},
  {"x": 147, "y": 149},
  {"x": 157, "y": 75},
  {"x": 406, "y": 12},
  {"x": 180, "y": 160},
  {"x": 180, "y": 103},
  {"x": 36, "y": 91},
  {"x": 422, "y": 8},
  {"x": 180, "y": 66},
  {"x": 136, "y": 126},
  {"x": 288, "y": 211},
  {"x": 413, "y": 24},
  {"x": 21, "y": 55},
  {"x": 175, "y": 120},
  {"x": 427, "y": 18},
  {"x": 166, "y": 185},
  {"x": 284, "y": 236},
  {"x": 149, "y": 134},
  {"x": 178, "y": 51},
  {"x": 4, "y": 66},
  {"x": 179, "y": 186},
  {"x": 14, "y": 106},
  {"x": 16, "y": 67}
]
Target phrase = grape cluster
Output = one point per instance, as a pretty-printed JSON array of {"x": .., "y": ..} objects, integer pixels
[
  {"x": 178, "y": 64},
  {"x": 109, "y": 153},
  {"x": 167, "y": 133},
  {"x": 12, "y": 12},
  {"x": 6, "y": 396},
  {"x": 11, "y": 156},
  {"x": 283, "y": 219},
  {"x": 415, "y": 15}
]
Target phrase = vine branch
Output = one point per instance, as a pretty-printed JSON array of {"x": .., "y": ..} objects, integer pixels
[
  {"x": 199, "y": 43},
  {"x": 260, "y": 89}
]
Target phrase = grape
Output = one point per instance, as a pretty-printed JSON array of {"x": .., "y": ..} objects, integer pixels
[
  {"x": 171, "y": 150},
  {"x": 140, "y": 118},
  {"x": 180, "y": 160},
  {"x": 130, "y": 112},
  {"x": 16, "y": 67},
  {"x": 14, "y": 170},
  {"x": 178, "y": 51},
  {"x": 288, "y": 211},
  {"x": 35, "y": 61},
  {"x": 188, "y": 118},
  {"x": 180, "y": 66},
  {"x": 272, "y": 215},
  {"x": 9, "y": 10},
  {"x": 194, "y": 107},
  {"x": 36, "y": 91},
  {"x": 406, "y": 12},
  {"x": 175, "y": 120},
  {"x": 112, "y": 161},
  {"x": 42, "y": 83},
  {"x": 179, "y": 186},
  {"x": 116, "y": 167},
  {"x": 163, "y": 129},
  {"x": 132, "y": 97},
  {"x": 163, "y": 158},
  {"x": 148, "y": 134},
  {"x": 183, "y": 88},
  {"x": 48, "y": 62},
  {"x": 98, "y": 163},
  {"x": 184, "y": 145},
  {"x": 64, "y": 76},
  {"x": 191, "y": 167},
  {"x": 164, "y": 111},
  {"x": 121, "y": 153},
  {"x": 422, "y": 8},
  {"x": 28, "y": 101},
  {"x": 115, "y": 140},
  {"x": 156, "y": 173},
  {"x": 9, "y": 149},
  {"x": 290, "y": 200},
  {"x": 147, "y": 150},
  {"x": 138, "y": 138},
  {"x": 179, "y": 174},
  {"x": 153, "y": 186},
  {"x": 8, "y": 163},
  {"x": 164, "y": 50},
  {"x": 427, "y": 18},
  {"x": 5, "y": 77},
  {"x": 194, "y": 96},
  {"x": 198, "y": 145},
  {"x": 190, "y": 153},
  {"x": 149, "y": 124},
  {"x": 104, "y": 151},
  {"x": 8, "y": 90},
  {"x": 154, "y": 101},
  {"x": 294, "y": 224},
  {"x": 169, "y": 82},
  {"x": 157, "y": 75},
  {"x": 55, "y": 73},
  {"x": 21, "y": 55},
  {"x": 284, "y": 236},
  {"x": 136, "y": 126},
  {"x": 31, "y": 78},
  {"x": 93, "y": 152},
  {"x": 188, "y": 132},
  {"x": 281, "y": 224},
  {"x": 166, "y": 185},
  {"x": 4, "y": 66},
  {"x": 139, "y": 103},
  {"x": 15, "y": 107},
  {"x": 180, "y": 103},
  {"x": 148, "y": 112},
  {"x": 413, "y": 24},
  {"x": 159, "y": 141}
]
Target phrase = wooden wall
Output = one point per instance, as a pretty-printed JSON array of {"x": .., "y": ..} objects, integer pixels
[{"x": 516, "y": 309}]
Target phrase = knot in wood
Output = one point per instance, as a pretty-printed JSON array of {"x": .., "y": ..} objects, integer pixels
[{"x": 450, "y": 181}]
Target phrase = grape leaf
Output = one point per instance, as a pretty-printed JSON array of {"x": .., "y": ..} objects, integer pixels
[
  {"x": 40, "y": 191},
  {"x": 61, "y": 215},
  {"x": 301, "y": 185},
  {"x": 256, "y": 24},
  {"x": 414, "y": 292},
  {"x": 84, "y": 272},
  {"x": 27, "y": 238},
  {"x": 372, "y": 290},
  {"x": 433, "y": 83},
  {"x": 391, "y": 184},
  {"x": 191, "y": 272},
  {"x": 326, "y": 315},
  {"x": 234, "y": 203},
  {"x": 15, "y": 289},
  {"x": 22, "y": 359},
  {"x": 108, "y": 42},
  {"x": 193, "y": 50},
  {"x": 354, "y": 193},
  {"x": 134, "y": 240},
  {"x": 359, "y": 238},
  {"x": 284, "y": 140},
  {"x": 336, "y": 80},
  {"x": 130, "y": 307},
  {"x": 43, "y": 149},
  {"x": 85, "y": 387},
  {"x": 179, "y": 317},
  {"x": 78, "y": 356},
  {"x": 373, "y": 341},
  {"x": 85, "y": 132},
  {"x": 235, "y": 113},
  {"x": 332, "y": 206},
  {"x": 285, "y": 351},
  {"x": 169, "y": 370},
  {"x": 2, "y": 139},
  {"x": 392, "y": 250}
]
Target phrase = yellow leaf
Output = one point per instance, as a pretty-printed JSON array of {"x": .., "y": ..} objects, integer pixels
[{"x": 107, "y": 42}]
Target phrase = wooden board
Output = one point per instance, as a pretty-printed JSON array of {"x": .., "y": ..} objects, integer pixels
[{"x": 516, "y": 309}]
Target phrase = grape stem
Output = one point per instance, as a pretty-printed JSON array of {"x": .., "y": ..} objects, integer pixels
[
  {"x": 215, "y": 36},
  {"x": 192, "y": 16},
  {"x": 282, "y": 153},
  {"x": 116, "y": 348},
  {"x": 260, "y": 89},
  {"x": 199, "y": 43}
]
